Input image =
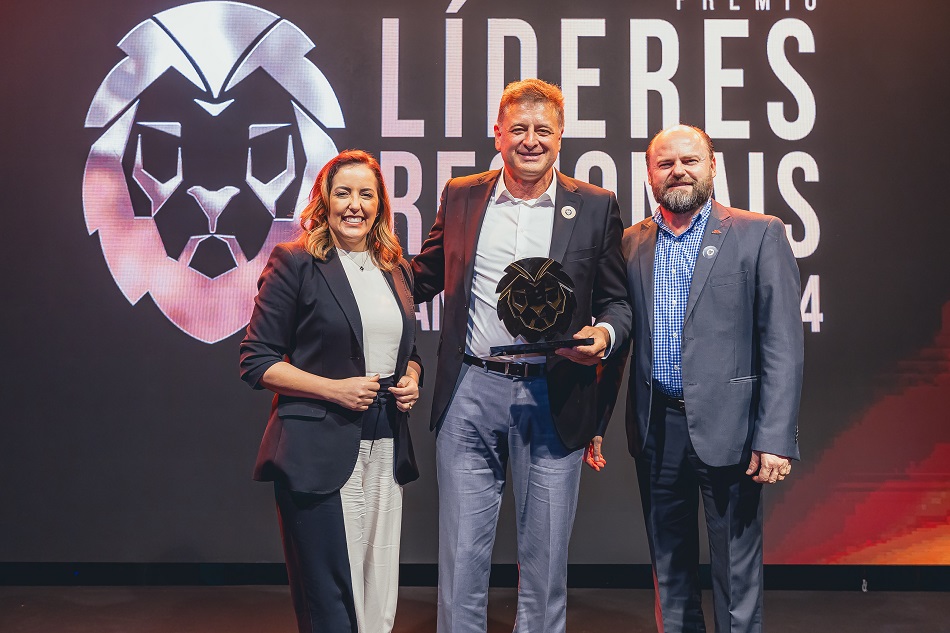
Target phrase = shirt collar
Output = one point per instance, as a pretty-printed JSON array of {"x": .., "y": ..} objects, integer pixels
[
  {"x": 699, "y": 217},
  {"x": 547, "y": 198}
]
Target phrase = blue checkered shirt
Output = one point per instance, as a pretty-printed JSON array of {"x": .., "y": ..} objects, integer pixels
[{"x": 673, "y": 264}]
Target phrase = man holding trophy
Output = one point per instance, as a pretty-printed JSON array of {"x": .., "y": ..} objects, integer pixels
[{"x": 535, "y": 296}]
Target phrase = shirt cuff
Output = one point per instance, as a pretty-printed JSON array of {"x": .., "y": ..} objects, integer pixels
[{"x": 612, "y": 336}]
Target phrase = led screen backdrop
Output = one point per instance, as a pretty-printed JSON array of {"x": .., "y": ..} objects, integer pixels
[{"x": 154, "y": 153}]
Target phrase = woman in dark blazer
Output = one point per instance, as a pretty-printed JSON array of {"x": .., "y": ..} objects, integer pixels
[{"x": 332, "y": 334}]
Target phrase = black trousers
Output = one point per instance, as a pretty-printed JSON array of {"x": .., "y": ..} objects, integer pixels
[
  {"x": 318, "y": 567},
  {"x": 313, "y": 532},
  {"x": 672, "y": 479}
]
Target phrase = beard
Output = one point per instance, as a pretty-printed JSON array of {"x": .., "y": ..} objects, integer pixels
[{"x": 682, "y": 202}]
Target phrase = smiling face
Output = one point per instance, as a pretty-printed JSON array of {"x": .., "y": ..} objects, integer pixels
[
  {"x": 353, "y": 206},
  {"x": 681, "y": 170},
  {"x": 529, "y": 138}
]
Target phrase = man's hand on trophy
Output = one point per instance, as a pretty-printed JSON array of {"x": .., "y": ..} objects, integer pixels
[{"x": 587, "y": 354}]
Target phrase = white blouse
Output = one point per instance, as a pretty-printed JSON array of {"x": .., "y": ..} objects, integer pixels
[{"x": 379, "y": 312}]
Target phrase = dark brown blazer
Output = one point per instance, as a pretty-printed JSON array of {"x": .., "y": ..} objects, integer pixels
[
  {"x": 587, "y": 243},
  {"x": 305, "y": 311}
]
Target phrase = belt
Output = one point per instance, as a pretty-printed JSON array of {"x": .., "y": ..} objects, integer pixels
[
  {"x": 518, "y": 370},
  {"x": 674, "y": 403},
  {"x": 384, "y": 396}
]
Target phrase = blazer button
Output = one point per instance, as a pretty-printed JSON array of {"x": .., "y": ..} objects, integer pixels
[{"x": 461, "y": 351}]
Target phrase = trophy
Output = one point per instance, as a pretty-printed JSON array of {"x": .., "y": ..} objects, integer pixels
[{"x": 536, "y": 301}]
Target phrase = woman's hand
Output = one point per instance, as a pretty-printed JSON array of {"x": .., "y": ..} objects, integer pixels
[
  {"x": 406, "y": 392},
  {"x": 355, "y": 393}
]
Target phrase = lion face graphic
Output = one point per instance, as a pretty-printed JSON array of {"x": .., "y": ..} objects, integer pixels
[
  {"x": 213, "y": 131},
  {"x": 536, "y": 298}
]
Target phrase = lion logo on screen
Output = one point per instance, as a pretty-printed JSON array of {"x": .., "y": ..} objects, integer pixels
[{"x": 213, "y": 131}]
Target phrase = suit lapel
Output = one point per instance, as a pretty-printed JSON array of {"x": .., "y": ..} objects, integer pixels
[
  {"x": 397, "y": 283},
  {"x": 716, "y": 229},
  {"x": 332, "y": 271},
  {"x": 476, "y": 204},
  {"x": 565, "y": 195},
  {"x": 646, "y": 253}
]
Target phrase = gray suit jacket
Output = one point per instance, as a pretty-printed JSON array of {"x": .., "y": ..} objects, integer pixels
[
  {"x": 588, "y": 246},
  {"x": 743, "y": 341}
]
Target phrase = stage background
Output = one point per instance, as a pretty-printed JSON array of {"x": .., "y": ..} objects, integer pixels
[{"x": 127, "y": 438}]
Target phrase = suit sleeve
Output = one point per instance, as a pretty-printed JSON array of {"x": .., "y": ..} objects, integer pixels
[
  {"x": 428, "y": 267},
  {"x": 270, "y": 333},
  {"x": 610, "y": 304},
  {"x": 609, "y": 377},
  {"x": 779, "y": 329},
  {"x": 609, "y": 293}
]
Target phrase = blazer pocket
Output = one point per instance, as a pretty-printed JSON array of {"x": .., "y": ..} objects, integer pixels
[
  {"x": 307, "y": 409},
  {"x": 744, "y": 379},
  {"x": 579, "y": 254},
  {"x": 728, "y": 280}
]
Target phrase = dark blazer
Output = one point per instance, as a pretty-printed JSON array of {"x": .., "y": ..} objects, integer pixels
[
  {"x": 742, "y": 341},
  {"x": 305, "y": 310},
  {"x": 588, "y": 246}
]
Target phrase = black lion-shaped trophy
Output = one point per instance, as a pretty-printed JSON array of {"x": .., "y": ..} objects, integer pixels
[{"x": 536, "y": 301}]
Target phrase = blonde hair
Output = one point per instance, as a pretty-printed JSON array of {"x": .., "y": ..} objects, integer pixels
[
  {"x": 532, "y": 91},
  {"x": 381, "y": 241}
]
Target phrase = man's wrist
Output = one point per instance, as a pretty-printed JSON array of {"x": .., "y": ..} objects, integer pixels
[{"x": 610, "y": 336}]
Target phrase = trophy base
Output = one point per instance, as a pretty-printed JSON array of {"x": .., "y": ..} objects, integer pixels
[{"x": 540, "y": 347}]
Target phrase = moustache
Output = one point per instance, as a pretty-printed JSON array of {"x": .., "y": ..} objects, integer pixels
[{"x": 676, "y": 183}]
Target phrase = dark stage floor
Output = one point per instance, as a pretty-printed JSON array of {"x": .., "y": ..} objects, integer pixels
[{"x": 247, "y": 609}]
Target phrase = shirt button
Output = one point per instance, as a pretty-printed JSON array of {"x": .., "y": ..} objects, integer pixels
[
  {"x": 676, "y": 367},
  {"x": 675, "y": 335},
  {"x": 673, "y": 302}
]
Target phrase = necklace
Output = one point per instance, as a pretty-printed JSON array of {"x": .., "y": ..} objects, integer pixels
[{"x": 366, "y": 258}]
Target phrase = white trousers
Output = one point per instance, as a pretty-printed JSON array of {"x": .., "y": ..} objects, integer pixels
[{"x": 372, "y": 518}]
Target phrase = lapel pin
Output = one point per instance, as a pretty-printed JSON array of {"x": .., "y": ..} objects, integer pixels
[
  {"x": 568, "y": 212},
  {"x": 716, "y": 231},
  {"x": 710, "y": 251}
]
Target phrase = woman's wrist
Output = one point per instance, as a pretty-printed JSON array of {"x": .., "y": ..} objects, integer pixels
[{"x": 413, "y": 371}]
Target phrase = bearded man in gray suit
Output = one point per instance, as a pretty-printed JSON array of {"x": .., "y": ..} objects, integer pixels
[{"x": 715, "y": 382}]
